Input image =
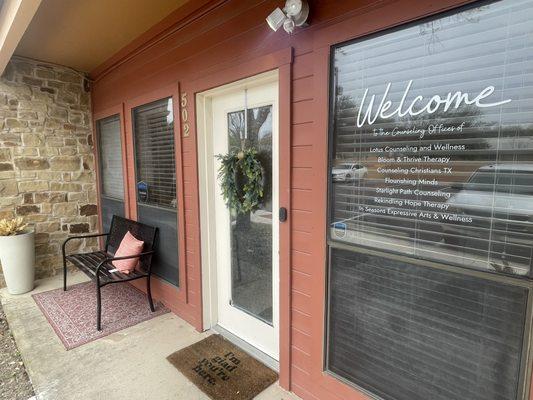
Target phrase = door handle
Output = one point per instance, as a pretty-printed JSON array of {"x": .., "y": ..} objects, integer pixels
[{"x": 282, "y": 214}]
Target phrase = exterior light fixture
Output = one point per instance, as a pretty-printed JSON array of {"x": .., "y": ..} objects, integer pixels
[{"x": 294, "y": 14}]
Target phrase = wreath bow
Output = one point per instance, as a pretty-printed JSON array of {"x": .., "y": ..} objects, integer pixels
[{"x": 244, "y": 165}]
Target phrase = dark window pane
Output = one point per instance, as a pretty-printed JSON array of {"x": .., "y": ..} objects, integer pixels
[
  {"x": 110, "y": 169},
  {"x": 156, "y": 181},
  {"x": 407, "y": 332},
  {"x": 433, "y": 139}
]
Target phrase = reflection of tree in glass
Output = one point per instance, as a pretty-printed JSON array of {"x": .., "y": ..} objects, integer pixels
[{"x": 259, "y": 136}]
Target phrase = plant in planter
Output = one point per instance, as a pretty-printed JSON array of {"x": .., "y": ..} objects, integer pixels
[{"x": 17, "y": 255}]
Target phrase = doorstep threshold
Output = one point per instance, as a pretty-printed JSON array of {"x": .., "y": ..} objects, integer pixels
[{"x": 248, "y": 348}]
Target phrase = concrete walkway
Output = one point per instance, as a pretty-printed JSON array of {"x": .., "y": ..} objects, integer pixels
[{"x": 130, "y": 364}]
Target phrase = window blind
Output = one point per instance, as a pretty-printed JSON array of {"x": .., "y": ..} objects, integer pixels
[
  {"x": 155, "y": 157},
  {"x": 156, "y": 181},
  {"x": 407, "y": 332},
  {"x": 440, "y": 116},
  {"x": 112, "y": 182}
]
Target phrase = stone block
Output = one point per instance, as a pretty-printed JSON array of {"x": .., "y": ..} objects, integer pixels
[
  {"x": 65, "y": 163},
  {"x": 79, "y": 228},
  {"x": 48, "y": 152},
  {"x": 45, "y": 73},
  {"x": 57, "y": 112},
  {"x": 66, "y": 98},
  {"x": 6, "y": 167},
  {"x": 27, "y": 210},
  {"x": 5, "y": 155},
  {"x": 31, "y": 139},
  {"x": 33, "y": 163},
  {"x": 48, "y": 90},
  {"x": 65, "y": 187},
  {"x": 69, "y": 77},
  {"x": 26, "y": 152},
  {"x": 34, "y": 218},
  {"x": 68, "y": 151},
  {"x": 76, "y": 118},
  {"x": 52, "y": 123},
  {"x": 7, "y": 214},
  {"x": 28, "y": 115},
  {"x": 79, "y": 196},
  {"x": 8, "y": 188},
  {"x": 13, "y": 123},
  {"x": 47, "y": 227},
  {"x": 88, "y": 209},
  {"x": 42, "y": 237},
  {"x": 28, "y": 174},
  {"x": 32, "y": 105},
  {"x": 10, "y": 201},
  {"x": 23, "y": 67},
  {"x": 10, "y": 139},
  {"x": 7, "y": 175},
  {"x": 46, "y": 248},
  {"x": 65, "y": 210},
  {"x": 84, "y": 176},
  {"x": 88, "y": 162},
  {"x": 33, "y": 186},
  {"x": 32, "y": 81},
  {"x": 51, "y": 197}
]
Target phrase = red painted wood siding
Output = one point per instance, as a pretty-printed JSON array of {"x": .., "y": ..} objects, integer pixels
[{"x": 235, "y": 31}]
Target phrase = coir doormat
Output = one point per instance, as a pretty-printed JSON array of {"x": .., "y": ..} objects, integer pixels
[{"x": 221, "y": 370}]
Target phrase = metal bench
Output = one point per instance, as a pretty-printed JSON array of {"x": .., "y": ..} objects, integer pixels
[{"x": 98, "y": 265}]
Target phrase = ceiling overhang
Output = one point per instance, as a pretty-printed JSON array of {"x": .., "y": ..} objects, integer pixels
[
  {"x": 15, "y": 16},
  {"x": 84, "y": 34}
]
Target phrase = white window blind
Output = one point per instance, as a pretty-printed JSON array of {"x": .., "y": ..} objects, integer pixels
[
  {"x": 112, "y": 182},
  {"x": 155, "y": 157},
  {"x": 451, "y": 182}
]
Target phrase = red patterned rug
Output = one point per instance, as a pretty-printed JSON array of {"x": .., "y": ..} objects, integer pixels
[{"x": 72, "y": 314}]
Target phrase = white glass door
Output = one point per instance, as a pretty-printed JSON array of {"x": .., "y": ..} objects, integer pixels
[{"x": 247, "y": 245}]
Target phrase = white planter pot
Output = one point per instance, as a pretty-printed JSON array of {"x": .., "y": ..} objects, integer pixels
[{"x": 17, "y": 255}]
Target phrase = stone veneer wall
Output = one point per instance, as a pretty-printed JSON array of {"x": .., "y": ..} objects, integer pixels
[{"x": 46, "y": 157}]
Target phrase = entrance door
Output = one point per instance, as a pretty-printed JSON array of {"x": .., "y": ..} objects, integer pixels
[{"x": 245, "y": 246}]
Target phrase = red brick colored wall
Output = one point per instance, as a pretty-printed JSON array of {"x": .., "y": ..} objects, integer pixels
[{"x": 223, "y": 35}]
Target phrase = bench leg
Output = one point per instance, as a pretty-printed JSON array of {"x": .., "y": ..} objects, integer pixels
[
  {"x": 149, "y": 294},
  {"x": 64, "y": 274},
  {"x": 98, "y": 307}
]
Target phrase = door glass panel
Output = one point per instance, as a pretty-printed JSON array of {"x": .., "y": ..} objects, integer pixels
[
  {"x": 156, "y": 181},
  {"x": 110, "y": 168},
  {"x": 251, "y": 233}
]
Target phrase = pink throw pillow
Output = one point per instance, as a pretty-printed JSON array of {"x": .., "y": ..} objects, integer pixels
[{"x": 129, "y": 246}]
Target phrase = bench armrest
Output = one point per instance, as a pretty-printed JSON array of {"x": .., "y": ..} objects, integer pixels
[
  {"x": 80, "y": 237},
  {"x": 108, "y": 259}
]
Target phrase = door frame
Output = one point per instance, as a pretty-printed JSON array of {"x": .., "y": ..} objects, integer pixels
[{"x": 223, "y": 75}]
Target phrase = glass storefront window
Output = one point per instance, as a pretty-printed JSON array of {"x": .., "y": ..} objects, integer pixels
[
  {"x": 431, "y": 207},
  {"x": 432, "y": 139}
]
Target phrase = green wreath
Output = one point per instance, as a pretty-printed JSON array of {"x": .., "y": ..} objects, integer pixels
[{"x": 241, "y": 180}]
